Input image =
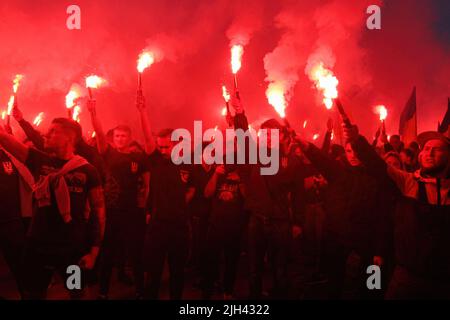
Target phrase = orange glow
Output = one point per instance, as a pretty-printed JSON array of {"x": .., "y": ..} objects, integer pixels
[
  {"x": 225, "y": 94},
  {"x": 76, "y": 113},
  {"x": 94, "y": 82},
  {"x": 276, "y": 98},
  {"x": 326, "y": 82},
  {"x": 236, "y": 58},
  {"x": 37, "y": 121},
  {"x": 70, "y": 98},
  {"x": 224, "y": 111},
  {"x": 382, "y": 111},
  {"x": 16, "y": 82},
  {"x": 146, "y": 59},
  {"x": 10, "y": 105}
]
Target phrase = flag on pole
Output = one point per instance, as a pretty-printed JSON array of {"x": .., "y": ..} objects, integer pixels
[
  {"x": 408, "y": 120},
  {"x": 444, "y": 127}
]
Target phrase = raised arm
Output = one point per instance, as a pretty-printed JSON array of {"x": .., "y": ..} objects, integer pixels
[
  {"x": 32, "y": 134},
  {"x": 211, "y": 186},
  {"x": 150, "y": 144},
  {"x": 328, "y": 167},
  {"x": 327, "y": 140},
  {"x": 102, "y": 143},
  {"x": 13, "y": 146},
  {"x": 372, "y": 161}
]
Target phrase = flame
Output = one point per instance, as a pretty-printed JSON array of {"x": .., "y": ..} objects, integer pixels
[
  {"x": 70, "y": 98},
  {"x": 37, "y": 121},
  {"x": 325, "y": 82},
  {"x": 76, "y": 113},
  {"x": 94, "y": 82},
  {"x": 382, "y": 111},
  {"x": 275, "y": 96},
  {"x": 10, "y": 105},
  {"x": 225, "y": 94},
  {"x": 224, "y": 111},
  {"x": 236, "y": 57},
  {"x": 16, "y": 82},
  {"x": 146, "y": 59},
  {"x": 305, "y": 123},
  {"x": 316, "y": 136},
  {"x": 4, "y": 114}
]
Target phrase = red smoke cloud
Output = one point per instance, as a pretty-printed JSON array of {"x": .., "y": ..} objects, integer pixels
[{"x": 373, "y": 67}]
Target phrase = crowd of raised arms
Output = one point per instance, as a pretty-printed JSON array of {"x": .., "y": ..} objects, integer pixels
[{"x": 112, "y": 204}]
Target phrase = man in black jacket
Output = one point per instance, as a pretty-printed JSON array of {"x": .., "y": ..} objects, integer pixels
[
  {"x": 271, "y": 225},
  {"x": 422, "y": 219},
  {"x": 352, "y": 219}
]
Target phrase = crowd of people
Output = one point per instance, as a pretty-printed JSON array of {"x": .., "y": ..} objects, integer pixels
[{"x": 111, "y": 203}]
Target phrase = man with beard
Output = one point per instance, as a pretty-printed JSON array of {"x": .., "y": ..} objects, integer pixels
[
  {"x": 63, "y": 232},
  {"x": 421, "y": 220}
]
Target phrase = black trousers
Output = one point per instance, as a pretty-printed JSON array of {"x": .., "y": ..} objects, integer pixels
[
  {"x": 272, "y": 238},
  {"x": 124, "y": 237},
  {"x": 226, "y": 239},
  {"x": 40, "y": 263},
  {"x": 405, "y": 285},
  {"x": 199, "y": 230},
  {"x": 165, "y": 239},
  {"x": 12, "y": 243},
  {"x": 334, "y": 265}
]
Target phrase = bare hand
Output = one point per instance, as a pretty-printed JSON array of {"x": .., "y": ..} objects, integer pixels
[
  {"x": 17, "y": 114},
  {"x": 236, "y": 104},
  {"x": 140, "y": 101},
  {"x": 220, "y": 170},
  {"x": 377, "y": 260},
  {"x": 350, "y": 133},
  {"x": 234, "y": 176},
  {"x": 88, "y": 261},
  {"x": 296, "y": 231},
  {"x": 384, "y": 137}
]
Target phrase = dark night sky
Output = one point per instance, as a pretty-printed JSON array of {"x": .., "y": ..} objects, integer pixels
[{"x": 374, "y": 67}]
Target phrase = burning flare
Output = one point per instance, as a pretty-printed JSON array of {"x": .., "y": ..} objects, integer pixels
[
  {"x": 37, "y": 121},
  {"x": 326, "y": 82},
  {"x": 76, "y": 113},
  {"x": 225, "y": 94},
  {"x": 70, "y": 99},
  {"x": 146, "y": 59},
  {"x": 10, "y": 105},
  {"x": 236, "y": 57},
  {"x": 276, "y": 98},
  {"x": 224, "y": 111},
  {"x": 16, "y": 82},
  {"x": 94, "y": 82},
  {"x": 382, "y": 111}
]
